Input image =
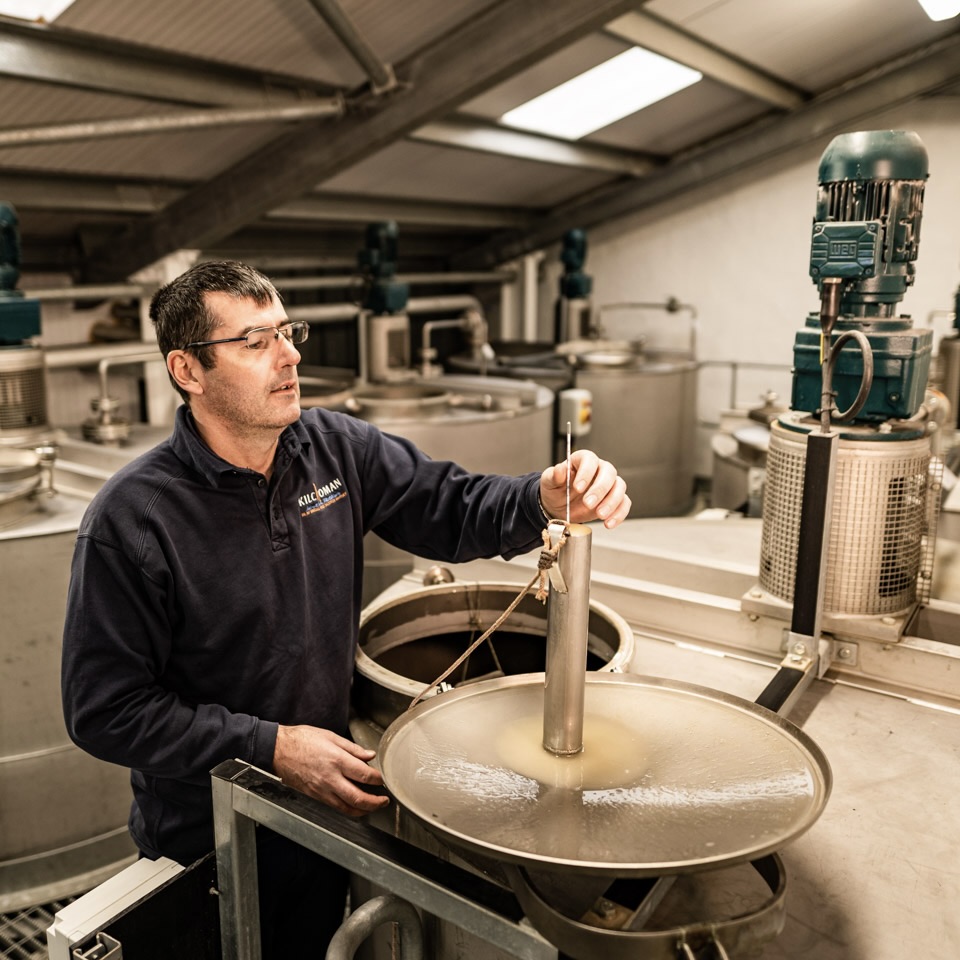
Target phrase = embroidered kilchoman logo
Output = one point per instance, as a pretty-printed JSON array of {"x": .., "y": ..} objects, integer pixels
[{"x": 319, "y": 498}]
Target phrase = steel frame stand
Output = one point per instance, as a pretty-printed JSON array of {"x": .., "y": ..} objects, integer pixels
[{"x": 243, "y": 796}]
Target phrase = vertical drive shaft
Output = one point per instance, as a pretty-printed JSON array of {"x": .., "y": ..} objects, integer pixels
[{"x": 568, "y": 615}]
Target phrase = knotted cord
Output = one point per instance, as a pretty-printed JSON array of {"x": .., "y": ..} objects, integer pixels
[{"x": 548, "y": 556}]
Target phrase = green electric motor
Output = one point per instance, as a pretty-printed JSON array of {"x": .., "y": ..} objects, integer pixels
[
  {"x": 378, "y": 263},
  {"x": 19, "y": 315},
  {"x": 866, "y": 235}
]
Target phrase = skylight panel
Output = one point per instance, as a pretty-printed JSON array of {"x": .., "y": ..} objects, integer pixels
[
  {"x": 44, "y": 10},
  {"x": 604, "y": 94},
  {"x": 940, "y": 9}
]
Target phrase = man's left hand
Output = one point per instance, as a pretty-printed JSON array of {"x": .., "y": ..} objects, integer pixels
[{"x": 597, "y": 492}]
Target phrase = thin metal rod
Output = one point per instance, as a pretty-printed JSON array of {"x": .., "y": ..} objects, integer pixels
[
  {"x": 568, "y": 472},
  {"x": 380, "y": 73},
  {"x": 568, "y": 618}
]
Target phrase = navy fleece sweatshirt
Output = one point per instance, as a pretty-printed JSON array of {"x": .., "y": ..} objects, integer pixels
[{"x": 208, "y": 605}]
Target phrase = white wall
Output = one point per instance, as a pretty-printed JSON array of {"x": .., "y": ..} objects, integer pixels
[{"x": 738, "y": 250}]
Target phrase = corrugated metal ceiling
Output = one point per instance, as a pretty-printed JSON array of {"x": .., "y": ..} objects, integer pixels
[{"x": 779, "y": 63}]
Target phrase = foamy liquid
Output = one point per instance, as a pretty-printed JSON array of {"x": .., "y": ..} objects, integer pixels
[{"x": 612, "y": 755}]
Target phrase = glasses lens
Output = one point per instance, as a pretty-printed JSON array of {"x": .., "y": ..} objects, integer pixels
[{"x": 261, "y": 337}]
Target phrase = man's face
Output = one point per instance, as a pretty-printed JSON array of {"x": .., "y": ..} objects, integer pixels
[{"x": 250, "y": 390}]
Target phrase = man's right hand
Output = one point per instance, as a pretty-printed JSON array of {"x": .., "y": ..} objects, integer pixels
[{"x": 328, "y": 768}]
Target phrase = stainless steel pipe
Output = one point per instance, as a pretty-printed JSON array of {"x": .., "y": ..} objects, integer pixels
[{"x": 568, "y": 614}]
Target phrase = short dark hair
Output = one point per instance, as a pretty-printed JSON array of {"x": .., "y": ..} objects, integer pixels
[{"x": 179, "y": 311}]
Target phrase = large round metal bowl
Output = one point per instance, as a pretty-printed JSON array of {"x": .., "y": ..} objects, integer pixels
[{"x": 673, "y": 778}]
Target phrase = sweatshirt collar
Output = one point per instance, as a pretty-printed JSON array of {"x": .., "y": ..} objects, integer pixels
[{"x": 190, "y": 447}]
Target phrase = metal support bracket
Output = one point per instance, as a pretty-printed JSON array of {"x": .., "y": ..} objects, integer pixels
[
  {"x": 808, "y": 654},
  {"x": 845, "y": 653}
]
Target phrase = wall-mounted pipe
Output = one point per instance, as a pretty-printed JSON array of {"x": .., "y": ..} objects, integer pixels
[
  {"x": 670, "y": 305},
  {"x": 91, "y": 292},
  {"x": 104, "y": 365},
  {"x": 90, "y": 354},
  {"x": 107, "y": 426},
  {"x": 442, "y": 304},
  {"x": 472, "y": 321},
  {"x": 130, "y": 290},
  {"x": 439, "y": 279},
  {"x": 735, "y": 366},
  {"x": 324, "y": 312},
  {"x": 165, "y": 123}
]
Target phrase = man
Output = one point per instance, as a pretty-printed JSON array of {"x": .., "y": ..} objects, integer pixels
[{"x": 215, "y": 590}]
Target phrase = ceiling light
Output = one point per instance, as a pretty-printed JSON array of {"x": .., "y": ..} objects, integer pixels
[
  {"x": 45, "y": 10},
  {"x": 604, "y": 94},
  {"x": 940, "y": 9}
]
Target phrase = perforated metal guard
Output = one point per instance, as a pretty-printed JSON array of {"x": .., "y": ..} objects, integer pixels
[
  {"x": 929, "y": 543},
  {"x": 880, "y": 538},
  {"x": 782, "y": 498},
  {"x": 23, "y": 398}
]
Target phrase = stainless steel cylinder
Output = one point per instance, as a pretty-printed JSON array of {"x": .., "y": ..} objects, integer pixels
[{"x": 568, "y": 613}]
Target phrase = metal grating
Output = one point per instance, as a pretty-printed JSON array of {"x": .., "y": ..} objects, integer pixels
[
  {"x": 23, "y": 934},
  {"x": 875, "y": 534},
  {"x": 929, "y": 539},
  {"x": 880, "y": 533},
  {"x": 23, "y": 400},
  {"x": 782, "y": 496}
]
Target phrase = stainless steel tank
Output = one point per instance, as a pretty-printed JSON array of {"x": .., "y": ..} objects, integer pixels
[
  {"x": 63, "y": 813},
  {"x": 644, "y": 412},
  {"x": 644, "y": 421},
  {"x": 486, "y": 424}
]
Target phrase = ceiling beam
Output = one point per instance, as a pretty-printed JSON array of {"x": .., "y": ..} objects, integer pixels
[
  {"x": 921, "y": 73},
  {"x": 49, "y": 191},
  {"x": 51, "y": 55},
  {"x": 500, "y": 41},
  {"x": 335, "y": 207},
  {"x": 468, "y": 134},
  {"x": 109, "y": 196},
  {"x": 660, "y": 36}
]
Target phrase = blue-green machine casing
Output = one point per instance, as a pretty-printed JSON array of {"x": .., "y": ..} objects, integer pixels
[
  {"x": 866, "y": 234},
  {"x": 901, "y": 365}
]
